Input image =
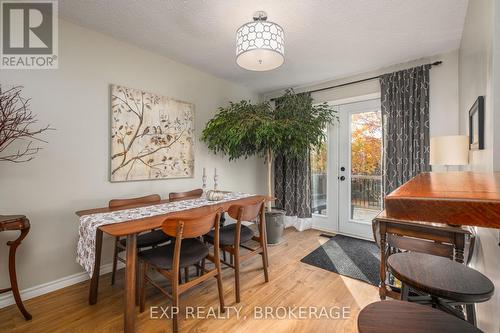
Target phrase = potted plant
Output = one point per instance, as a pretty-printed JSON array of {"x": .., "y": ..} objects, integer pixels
[{"x": 244, "y": 129}]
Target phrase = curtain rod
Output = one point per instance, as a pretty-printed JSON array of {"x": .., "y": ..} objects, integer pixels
[{"x": 437, "y": 63}]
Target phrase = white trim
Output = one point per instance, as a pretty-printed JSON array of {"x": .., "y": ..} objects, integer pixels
[
  {"x": 45, "y": 288},
  {"x": 349, "y": 100}
]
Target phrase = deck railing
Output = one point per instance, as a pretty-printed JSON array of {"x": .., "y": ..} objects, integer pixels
[{"x": 366, "y": 191}]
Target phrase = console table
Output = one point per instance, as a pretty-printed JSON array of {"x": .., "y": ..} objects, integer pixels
[
  {"x": 456, "y": 198},
  {"x": 431, "y": 214},
  {"x": 22, "y": 224}
]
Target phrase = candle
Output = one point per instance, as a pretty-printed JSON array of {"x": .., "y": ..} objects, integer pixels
[
  {"x": 215, "y": 171},
  {"x": 204, "y": 172}
]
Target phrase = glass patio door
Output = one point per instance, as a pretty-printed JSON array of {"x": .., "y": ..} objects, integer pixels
[
  {"x": 346, "y": 171},
  {"x": 360, "y": 167}
]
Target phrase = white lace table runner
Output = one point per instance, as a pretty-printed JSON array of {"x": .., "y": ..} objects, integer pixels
[{"x": 90, "y": 223}]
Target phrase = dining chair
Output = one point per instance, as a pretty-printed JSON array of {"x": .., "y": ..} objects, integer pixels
[
  {"x": 177, "y": 196},
  {"x": 193, "y": 194},
  {"x": 148, "y": 239},
  {"x": 233, "y": 236},
  {"x": 186, "y": 250}
]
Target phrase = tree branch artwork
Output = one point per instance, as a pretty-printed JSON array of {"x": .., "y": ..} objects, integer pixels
[
  {"x": 152, "y": 136},
  {"x": 17, "y": 136}
]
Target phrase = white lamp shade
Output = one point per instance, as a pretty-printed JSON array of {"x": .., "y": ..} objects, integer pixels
[
  {"x": 260, "y": 46},
  {"x": 449, "y": 150}
]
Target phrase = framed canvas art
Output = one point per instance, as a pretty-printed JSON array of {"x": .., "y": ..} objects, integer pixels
[
  {"x": 476, "y": 125},
  {"x": 152, "y": 136}
]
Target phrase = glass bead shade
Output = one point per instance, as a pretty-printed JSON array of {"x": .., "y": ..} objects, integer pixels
[{"x": 260, "y": 46}]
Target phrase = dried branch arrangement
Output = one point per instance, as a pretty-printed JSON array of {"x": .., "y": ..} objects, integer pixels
[{"x": 16, "y": 122}]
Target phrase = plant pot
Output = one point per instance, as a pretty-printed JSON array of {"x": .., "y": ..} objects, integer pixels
[{"x": 275, "y": 224}]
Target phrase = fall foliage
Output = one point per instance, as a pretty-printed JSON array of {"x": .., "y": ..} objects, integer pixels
[
  {"x": 366, "y": 143},
  {"x": 366, "y": 146}
]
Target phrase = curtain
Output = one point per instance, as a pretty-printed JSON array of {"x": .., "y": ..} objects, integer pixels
[
  {"x": 405, "y": 115},
  {"x": 292, "y": 188}
]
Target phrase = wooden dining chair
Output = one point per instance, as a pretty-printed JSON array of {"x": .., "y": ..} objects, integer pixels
[
  {"x": 148, "y": 239},
  {"x": 232, "y": 237},
  {"x": 177, "y": 196},
  {"x": 186, "y": 250}
]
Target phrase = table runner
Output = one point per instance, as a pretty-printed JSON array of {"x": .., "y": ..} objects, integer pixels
[{"x": 90, "y": 223}]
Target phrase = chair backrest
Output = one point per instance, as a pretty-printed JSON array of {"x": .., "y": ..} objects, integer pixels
[
  {"x": 248, "y": 212},
  {"x": 117, "y": 203},
  {"x": 188, "y": 225},
  {"x": 191, "y": 226},
  {"x": 176, "y": 196}
]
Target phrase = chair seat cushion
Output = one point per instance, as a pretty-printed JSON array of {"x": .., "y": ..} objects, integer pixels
[
  {"x": 148, "y": 239},
  {"x": 228, "y": 232},
  {"x": 192, "y": 251}
]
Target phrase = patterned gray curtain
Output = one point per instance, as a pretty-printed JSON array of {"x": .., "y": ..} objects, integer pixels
[
  {"x": 293, "y": 188},
  {"x": 405, "y": 114}
]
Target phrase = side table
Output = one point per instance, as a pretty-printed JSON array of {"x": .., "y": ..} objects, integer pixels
[{"x": 22, "y": 224}]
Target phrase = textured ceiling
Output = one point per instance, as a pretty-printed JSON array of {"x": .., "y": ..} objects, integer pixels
[{"x": 324, "y": 39}]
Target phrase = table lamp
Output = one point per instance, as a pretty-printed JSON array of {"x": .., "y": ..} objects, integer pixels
[{"x": 449, "y": 150}]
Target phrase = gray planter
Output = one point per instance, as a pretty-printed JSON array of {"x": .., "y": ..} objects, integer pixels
[{"x": 275, "y": 224}]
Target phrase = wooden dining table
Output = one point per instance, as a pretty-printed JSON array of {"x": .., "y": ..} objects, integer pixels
[{"x": 130, "y": 230}]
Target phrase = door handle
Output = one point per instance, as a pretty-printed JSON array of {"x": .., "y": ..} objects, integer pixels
[{"x": 342, "y": 178}]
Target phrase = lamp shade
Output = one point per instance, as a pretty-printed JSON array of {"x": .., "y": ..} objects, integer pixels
[
  {"x": 260, "y": 44},
  {"x": 449, "y": 150}
]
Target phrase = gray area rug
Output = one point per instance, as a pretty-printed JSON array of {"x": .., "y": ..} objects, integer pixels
[{"x": 352, "y": 257}]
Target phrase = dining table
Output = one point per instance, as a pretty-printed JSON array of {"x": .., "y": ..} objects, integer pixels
[{"x": 130, "y": 229}]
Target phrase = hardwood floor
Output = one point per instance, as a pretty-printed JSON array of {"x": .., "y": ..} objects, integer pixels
[{"x": 293, "y": 284}]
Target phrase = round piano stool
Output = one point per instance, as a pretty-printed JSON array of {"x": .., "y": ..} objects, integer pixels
[
  {"x": 406, "y": 317},
  {"x": 441, "y": 282},
  {"x": 22, "y": 224}
]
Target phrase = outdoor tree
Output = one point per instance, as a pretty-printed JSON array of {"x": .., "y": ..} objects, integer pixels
[
  {"x": 319, "y": 159},
  {"x": 366, "y": 143},
  {"x": 17, "y": 135}
]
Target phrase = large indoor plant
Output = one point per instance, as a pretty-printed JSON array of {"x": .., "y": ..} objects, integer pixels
[{"x": 244, "y": 129}]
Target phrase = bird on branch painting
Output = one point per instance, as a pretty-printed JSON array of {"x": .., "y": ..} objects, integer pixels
[{"x": 152, "y": 136}]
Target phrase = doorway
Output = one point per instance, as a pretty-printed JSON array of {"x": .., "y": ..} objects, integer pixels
[{"x": 347, "y": 171}]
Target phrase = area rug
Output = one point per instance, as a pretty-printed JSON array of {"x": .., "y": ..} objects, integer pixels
[{"x": 352, "y": 257}]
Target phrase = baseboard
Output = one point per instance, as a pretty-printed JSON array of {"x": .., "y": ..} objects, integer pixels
[{"x": 45, "y": 288}]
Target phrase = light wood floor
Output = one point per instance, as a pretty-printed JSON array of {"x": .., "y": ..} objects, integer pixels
[{"x": 293, "y": 284}]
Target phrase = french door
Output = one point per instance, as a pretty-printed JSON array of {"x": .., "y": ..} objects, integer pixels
[{"x": 346, "y": 172}]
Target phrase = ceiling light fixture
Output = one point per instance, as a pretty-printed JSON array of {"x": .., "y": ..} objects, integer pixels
[{"x": 260, "y": 44}]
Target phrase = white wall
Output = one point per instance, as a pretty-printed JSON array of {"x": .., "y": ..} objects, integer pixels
[
  {"x": 443, "y": 94},
  {"x": 71, "y": 172},
  {"x": 475, "y": 73},
  {"x": 478, "y": 58}
]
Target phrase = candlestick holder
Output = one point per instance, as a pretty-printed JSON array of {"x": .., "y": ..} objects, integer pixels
[
  {"x": 216, "y": 179},
  {"x": 204, "y": 185}
]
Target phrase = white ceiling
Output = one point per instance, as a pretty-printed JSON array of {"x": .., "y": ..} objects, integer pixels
[{"x": 324, "y": 39}]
